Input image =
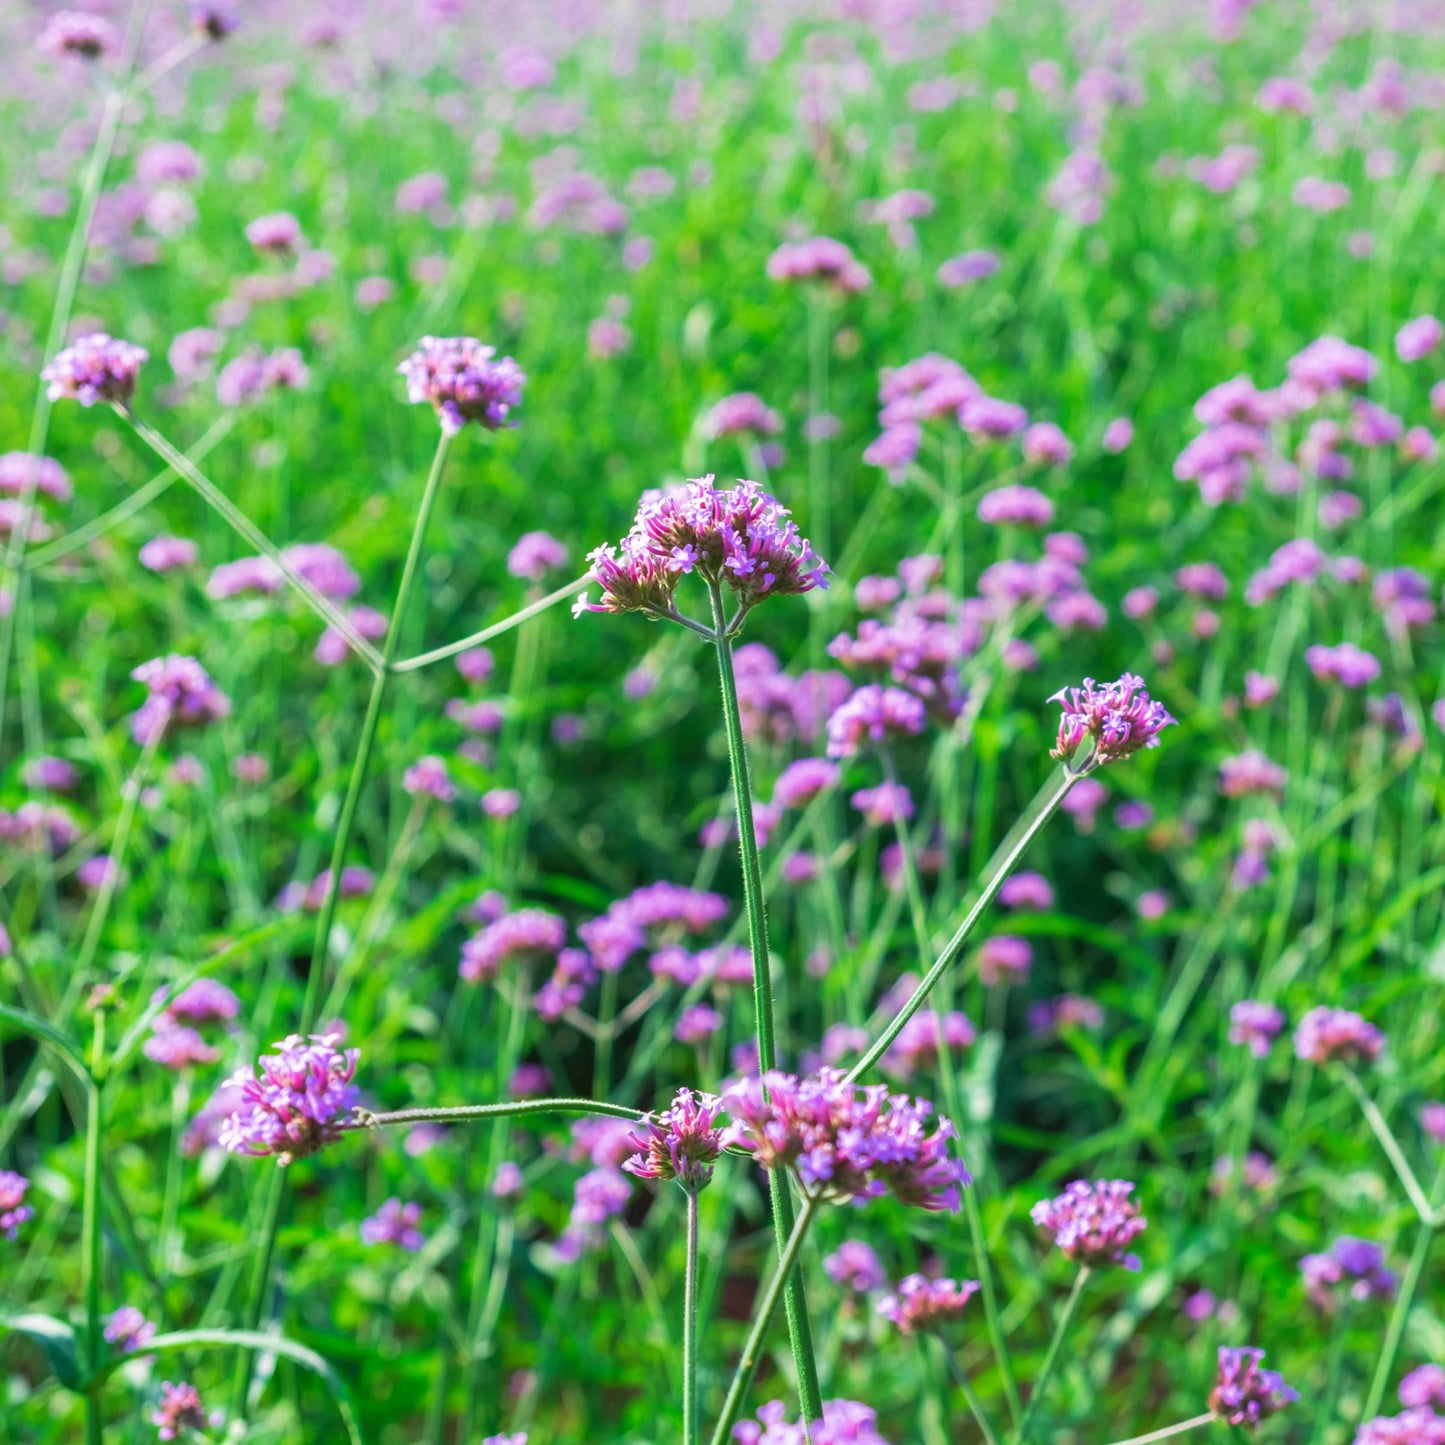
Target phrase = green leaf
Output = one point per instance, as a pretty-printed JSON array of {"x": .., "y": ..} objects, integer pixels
[
  {"x": 53, "y": 1336},
  {"x": 47, "y": 1033}
]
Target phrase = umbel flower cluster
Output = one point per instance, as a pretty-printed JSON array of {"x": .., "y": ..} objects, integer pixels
[
  {"x": 300, "y": 1100},
  {"x": 1117, "y": 718},
  {"x": 95, "y": 368},
  {"x": 465, "y": 381},
  {"x": 1243, "y": 1393},
  {"x": 682, "y": 1143},
  {"x": 1093, "y": 1224},
  {"x": 844, "y": 1141},
  {"x": 739, "y": 538}
]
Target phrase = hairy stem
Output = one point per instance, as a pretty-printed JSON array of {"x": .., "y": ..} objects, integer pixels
[{"x": 691, "y": 1426}]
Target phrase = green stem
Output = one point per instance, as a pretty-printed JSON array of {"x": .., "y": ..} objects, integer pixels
[
  {"x": 992, "y": 1320},
  {"x": 511, "y": 1109},
  {"x": 1071, "y": 1306},
  {"x": 1391, "y": 1146},
  {"x": 1169, "y": 1430},
  {"x": 752, "y": 1350},
  {"x": 90, "y": 1231},
  {"x": 969, "y": 1393},
  {"x": 691, "y": 1426},
  {"x": 799, "y": 1332},
  {"x": 1043, "y": 807}
]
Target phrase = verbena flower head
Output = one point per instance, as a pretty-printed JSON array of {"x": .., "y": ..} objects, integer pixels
[
  {"x": 1354, "y": 1266},
  {"x": 276, "y": 234},
  {"x": 739, "y": 537},
  {"x": 874, "y": 714},
  {"x": 744, "y": 413},
  {"x": 395, "y": 1223},
  {"x": 181, "y": 1411},
  {"x": 820, "y": 259},
  {"x": 682, "y": 1143},
  {"x": 535, "y": 554},
  {"x": 174, "y": 1046},
  {"x": 844, "y": 1141},
  {"x": 1335, "y": 1035},
  {"x": 14, "y": 1211},
  {"x": 1409, "y": 1427},
  {"x": 855, "y": 1266},
  {"x": 527, "y": 934},
  {"x": 300, "y": 1100},
  {"x": 80, "y": 34},
  {"x": 1423, "y": 1387},
  {"x": 181, "y": 695},
  {"x": 1243, "y": 1393},
  {"x": 1255, "y": 1024},
  {"x": 22, "y": 473},
  {"x": 920, "y": 1303},
  {"x": 1119, "y": 718},
  {"x": 1346, "y": 664},
  {"x": 428, "y": 777},
  {"x": 128, "y": 1329},
  {"x": 95, "y": 368},
  {"x": 465, "y": 381},
  {"x": 1093, "y": 1224},
  {"x": 844, "y": 1422}
]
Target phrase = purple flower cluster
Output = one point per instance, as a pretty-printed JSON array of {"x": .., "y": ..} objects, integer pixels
[
  {"x": 820, "y": 259},
  {"x": 535, "y": 554},
  {"x": 528, "y": 934},
  {"x": 920, "y": 1303},
  {"x": 739, "y": 537},
  {"x": 95, "y": 368},
  {"x": 181, "y": 1411},
  {"x": 395, "y": 1223},
  {"x": 1118, "y": 718},
  {"x": 923, "y": 1037},
  {"x": 1093, "y": 1224},
  {"x": 14, "y": 1211},
  {"x": 1256, "y": 1025},
  {"x": 846, "y": 1142},
  {"x": 181, "y": 695},
  {"x": 1245, "y": 1394},
  {"x": 128, "y": 1329},
  {"x": 1409, "y": 1427},
  {"x": 301, "y": 1099},
  {"x": 874, "y": 714},
  {"x": 1335, "y": 1035},
  {"x": 855, "y": 1266},
  {"x": 460, "y": 378},
  {"x": 744, "y": 413},
  {"x": 844, "y": 1422},
  {"x": 22, "y": 473},
  {"x": 80, "y": 34},
  {"x": 1251, "y": 772},
  {"x": 1356, "y": 1265},
  {"x": 1346, "y": 664},
  {"x": 682, "y": 1143}
]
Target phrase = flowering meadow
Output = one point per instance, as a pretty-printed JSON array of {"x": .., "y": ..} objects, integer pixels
[{"x": 722, "y": 722}]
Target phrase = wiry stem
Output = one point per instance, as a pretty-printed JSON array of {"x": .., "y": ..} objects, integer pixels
[
  {"x": 1391, "y": 1146},
  {"x": 1071, "y": 1306},
  {"x": 799, "y": 1332},
  {"x": 1169, "y": 1430},
  {"x": 691, "y": 1425},
  {"x": 515, "y": 1108}
]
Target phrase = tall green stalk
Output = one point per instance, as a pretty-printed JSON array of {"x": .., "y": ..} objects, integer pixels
[
  {"x": 1061, "y": 1330},
  {"x": 691, "y": 1424},
  {"x": 90, "y": 1232},
  {"x": 799, "y": 1332}
]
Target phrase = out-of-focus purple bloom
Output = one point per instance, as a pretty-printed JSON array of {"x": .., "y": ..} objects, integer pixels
[
  {"x": 527, "y": 935},
  {"x": 1410, "y": 1427},
  {"x": 181, "y": 1411},
  {"x": 969, "y": 267},
  {"x": 395, "y": 1223},
  {"x": 922, "y": 1038},
  {"x": 54, "y": 775},
  {"x": 1202, "y": 579},
  {"x": 1423, "y": 1388},
  {"x": 534, "y": 555},
  {"x": 1093, "y": 1224},
  {"x": 986, "y": 418},
  {"x": 1418, "y": 338},
  {"x": 844, "y": 1422},
  {"x": 276, "y": 234},
  {"x": 476, "y": 664},
  {"x": 1255, "y": 1024},
  {"x": 855, "y": 1266},
  {"x": 820, "y": 259},
  {"x": 202, "y": 1002},
  {"x": 1066, "y": 1011},
  {"x": 501, "y": 802},
  {"x": 458, "y": 376},
  {"x": 1259, "y": 689},
  {"x": 168, "y": 554},
  {"x": 1119, "y": 718},
  {"x": 22, "y": 473},
  {"x": 1140, "y": 602},
  {"x": 1335, "y": 1035},
  {"x": 894, "y": 450},
  {"x": 174, "y": 1046},
  {"x": 508, "y": 1181},
  {"x": 298, "y": 1102},
  {"x": 429, "y": 776},
  {"x": 181, "y": 695},
  {"x": 80, "y": 34},
  {"x": 14, "y": 1211},
  {"x": 1045, "y": 445},
  {"x": 1117, "y": 435},
  {"x": 1029, "y": 892},
  {"x": 697, "y": 1024},
  {"x": 744, "y": 413},
  {"x": 1259, "y": 1173},
  {"x": 95, "y": 368},
  {"x": 682, "y": 1143},
  {"x": 739, "y": 537},
  {"x": 845, "y": 1142},
  {"x": 1251, "y": 772},
  {"x": 885, "y": 805},
  {"x": 801, "y": 781},
  {"x": 1004, "y": 958},
  {"x": 874, "y": 714},
  {"x": 920, "y": 1303},
  {"x": 1330, "y": 365},
  {"x": 1245, "y": 1394},
  {"x": 1356, "y": 1264},
  {"x": 128, "y": 1329},
  {"x": 1284, "y": 95},
  {"x": 1432, "y": 1121},
  {"x": 1016, "y": 506}
]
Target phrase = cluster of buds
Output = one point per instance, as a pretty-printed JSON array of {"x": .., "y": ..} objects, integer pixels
[
  {"x": 682, "y": 1143},
  {"x": 1117, "y": 719}
]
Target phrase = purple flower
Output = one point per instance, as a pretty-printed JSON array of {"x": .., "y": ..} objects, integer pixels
[
  {"x": 300, "y": 1100},
  {"x": 1027, "y": 892},
  {"x": 874, "y": 714},
  {"x": 894, "y": 450},
  {"x": 394, "y": 1223},
  {"x": 682, "y": 1143},
  {"x": 536, "y": 554},
  {"x": 526, "y": 935},
  {"x": 78, "y": 33},
  {"x": 95, "y": 368},
  {"x": 844, "y": 1422},
  {"x": 508, "y": 1181},
  {"x": 128, "y": 1329},
  {"x": 1243, "y": 1393},
  {"x": 476, "y": 664},
  {"x": 885, "y": 805},
  {"x": 1092, "y": 1224},
  {"x": 802, "y": 781},
  {"x": 846, "y": 1142},
  {"x": 855, "y": 1266},
  {"x": 429, "y": 776},
  {"x": 1255, "y": 1024},
  {"x": 922, "y": 1038},
  {"x": 1004, "y": 958},
  {"x": 920, "y": 1303},
  {"x": 1330, "y": 365},
  {"x": 739, "y": 537},
  {"x": 181, "y": 1411},
  {"x": 1117, "y": 435},
  {"x": 202, "y": 1002},
  {"x": 1423, "y": 1388},
  {"x": 181, "y": 695},
  {"x": 276, "y": 234},
  {"x": 168, "y": 554},
  {"x": 1356, "y": 1264},
  {"x": 1329, "y": 1035},
  {"x": 1410, "y": 1427},
  {"x": 744, "y": 413},
  {"x": 1432, "y": 1121},
  {"x": 1418, "y": 338},
  {"x": 1250, "y": 772},
  {"x": 54, "y": 775},
  {"x": 22, "y": 473},
  {"x": 176, "y": 1047},
  {"x": 986, "y": 418},
  {"x": 501, "y": 802},
  {"x": 14, "y": 1211},
  {"x": 600, "y": 1194},
  {"x": 1045, "y": 445},
  {"x": 459, "y": 377},
  {"x": 969, "y": 267},
  {"x": 1120, "y": 718},
  {"x": 1016, "y": 506},
  {"x": 697, "y": 1024},
  {"x": 820, "y": 259}
]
